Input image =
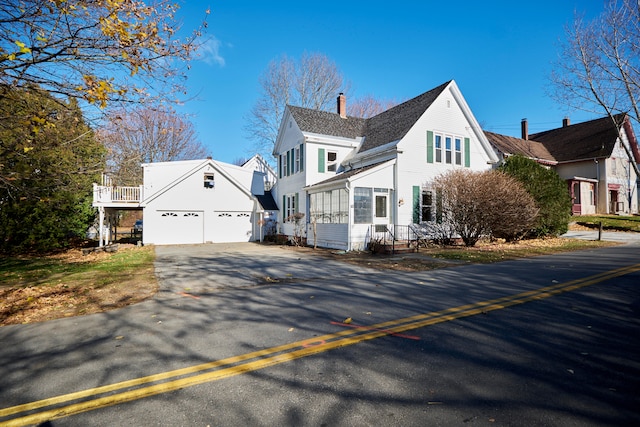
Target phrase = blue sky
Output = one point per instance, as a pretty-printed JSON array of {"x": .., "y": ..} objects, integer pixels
[{"x": 500, "y": 53}]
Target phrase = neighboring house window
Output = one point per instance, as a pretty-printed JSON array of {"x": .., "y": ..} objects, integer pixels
[
  {"x": 447, "y": 146},
  {"x": 438, "y": 148},
  {"x": 329, "y": 207},
  {"x": 458, "y": 148},
  {"x": 331, "y": 161},
  {"x": 362, "y": 205},
  {"x": 208, "y": 181}
]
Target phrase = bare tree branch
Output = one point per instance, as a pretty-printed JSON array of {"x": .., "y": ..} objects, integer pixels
[
  {"x": 147, "y": 135},
  {"x": 599, "y": 66}
]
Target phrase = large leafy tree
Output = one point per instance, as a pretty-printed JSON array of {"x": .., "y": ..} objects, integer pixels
[
  {"x": 598, "y": 69},
  {"x": 548, "y": 190},
  {"x": 48, "y": 161},
  {"x": 101, "y": 51}
]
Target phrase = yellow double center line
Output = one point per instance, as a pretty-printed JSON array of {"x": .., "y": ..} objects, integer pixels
[{"x": 113, "y": 394}]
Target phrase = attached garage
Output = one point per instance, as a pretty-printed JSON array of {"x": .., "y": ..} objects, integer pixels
[
  {"x": 180, "y": 227},
  {"x": 229, "y": 226},
  {"x": 201, "y": 201}
]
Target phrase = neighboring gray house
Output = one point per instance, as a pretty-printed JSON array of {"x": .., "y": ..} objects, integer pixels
[{"x": 589, "y": 156}]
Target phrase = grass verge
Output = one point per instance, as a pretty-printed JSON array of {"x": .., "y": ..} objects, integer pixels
[
  {"x": 609, "y": 222},
  {"x": 70, "y": 284}
]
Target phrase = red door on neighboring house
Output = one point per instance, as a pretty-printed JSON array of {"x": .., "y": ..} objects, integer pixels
[
  {"x": 613, "y": 197},
  {"x": 613, "y": 201},
  {"x": 576, "y": 208}
]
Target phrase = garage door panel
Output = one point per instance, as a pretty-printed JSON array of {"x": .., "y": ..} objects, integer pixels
[
  {"x": 179, "y": 227},
  {"x": 232, "y": 227}
]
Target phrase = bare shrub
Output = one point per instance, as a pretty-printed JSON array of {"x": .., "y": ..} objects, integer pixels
[{"x": 486, "y": 203}]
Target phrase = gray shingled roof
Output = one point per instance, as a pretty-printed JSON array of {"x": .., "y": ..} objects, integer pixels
[
  {"x": 587, "y": 140},
  {"x": 581, "y": 141},
  {"x": 388, "y": 126}
]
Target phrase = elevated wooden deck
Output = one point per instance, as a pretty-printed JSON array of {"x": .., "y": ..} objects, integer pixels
[{"x": 108, "y": 196}]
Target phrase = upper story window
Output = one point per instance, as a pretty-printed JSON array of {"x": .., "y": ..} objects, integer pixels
[
  {"x": 209, "y": 180},
  {"x": 331, "y": 161},
  {"x": 327, "y": 161},
  {"x": 291, "y": 161},
  {"x": 448, "y": 149}
]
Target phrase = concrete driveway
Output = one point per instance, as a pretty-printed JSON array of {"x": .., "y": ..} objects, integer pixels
[{"x": 198, "y": 269}]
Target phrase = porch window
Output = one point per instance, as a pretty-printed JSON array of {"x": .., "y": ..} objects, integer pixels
[
  {"x": 362, "y": 205},
  {"x": 329, "y": 207},
  {"x": 381, "y": 206}
]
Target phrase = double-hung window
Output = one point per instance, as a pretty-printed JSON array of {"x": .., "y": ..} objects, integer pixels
[{"x": 447, "y": 147}]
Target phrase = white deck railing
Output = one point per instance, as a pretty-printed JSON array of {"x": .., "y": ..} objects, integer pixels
[{"x": 116, "y": 194}]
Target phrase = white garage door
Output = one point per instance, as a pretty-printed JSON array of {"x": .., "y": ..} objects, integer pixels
[
  {"x": 232, "y": 227},
  {"x": 179, "y": 227}
]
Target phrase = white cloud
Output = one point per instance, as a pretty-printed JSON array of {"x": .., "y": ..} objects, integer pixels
[{"x": 209, "y": 52}]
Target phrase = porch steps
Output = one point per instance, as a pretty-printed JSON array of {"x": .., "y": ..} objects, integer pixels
[{"x": 399, "y": 247}]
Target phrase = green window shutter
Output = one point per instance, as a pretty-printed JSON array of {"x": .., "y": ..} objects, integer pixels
[
  {"x": 301, "y": 157},
  {"x": 416, "y": 204},
  {"x": 288, "y": 163},
  {"x": 467, "y": 154},
  {"x": 297, "y": 204},
  {"x": 321, "y": 160},
  {"x": 429, "y": 146},
  {"x": 284, "y": 208}
]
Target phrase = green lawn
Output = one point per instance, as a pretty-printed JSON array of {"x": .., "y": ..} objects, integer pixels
[
  {"x": 31, "y": 271},
  {"x": 610, "y": 222}
]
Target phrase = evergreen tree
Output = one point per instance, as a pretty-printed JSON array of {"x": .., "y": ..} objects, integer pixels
[
  {"x": 548, "y": 190},
  {"x": 49, "y": 159}
]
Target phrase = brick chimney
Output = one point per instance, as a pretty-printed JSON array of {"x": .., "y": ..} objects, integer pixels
[
  {"x": 342, "y": 105},
  {"x": 524, "y": 125},
  {"x": 566, "y": 122}
]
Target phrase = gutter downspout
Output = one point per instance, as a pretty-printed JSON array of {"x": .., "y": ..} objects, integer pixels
[{"x": 349, "y": 217}]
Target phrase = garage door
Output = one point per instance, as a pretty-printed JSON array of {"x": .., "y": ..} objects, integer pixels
[
  {"x": 179, "y": 227},
  {"x": 232, "y": 226}
]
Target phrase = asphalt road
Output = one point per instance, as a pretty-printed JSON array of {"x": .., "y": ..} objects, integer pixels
[{"x": 254, "y": 335}]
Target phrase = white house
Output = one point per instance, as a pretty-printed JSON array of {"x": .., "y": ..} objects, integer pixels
[
  {"x": 196, "y": 201},
  {"x": 351, "y": 176}
]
